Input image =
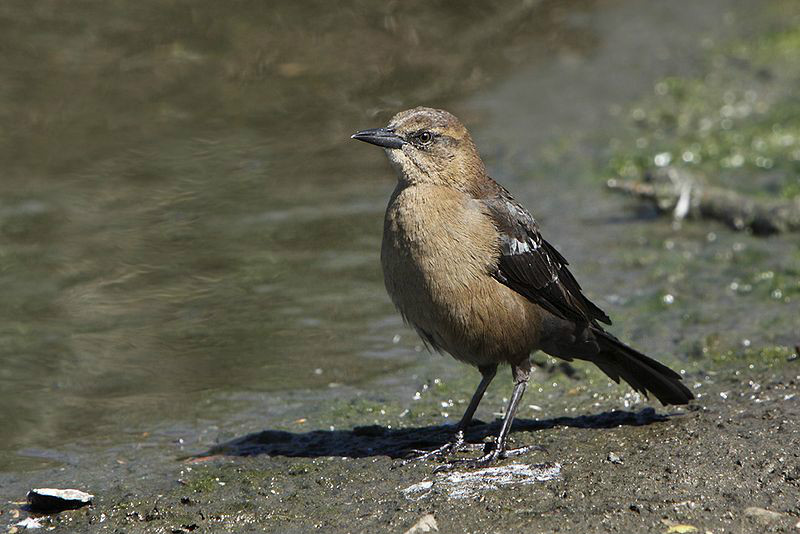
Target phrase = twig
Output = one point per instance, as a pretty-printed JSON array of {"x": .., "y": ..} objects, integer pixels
[{"x": 762, "y": 216}]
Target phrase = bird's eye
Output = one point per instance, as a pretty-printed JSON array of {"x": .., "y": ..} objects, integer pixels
[{"x": 425, "y": 138}]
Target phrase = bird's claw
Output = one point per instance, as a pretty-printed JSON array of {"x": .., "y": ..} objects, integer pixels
[
  {"x": 455, "y": 445},
  {"x": 487, "y": 459},
  {"x": 484, "y": 461}
]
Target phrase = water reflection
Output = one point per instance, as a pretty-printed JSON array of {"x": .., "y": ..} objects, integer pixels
[{"x": 179, "y": 210}]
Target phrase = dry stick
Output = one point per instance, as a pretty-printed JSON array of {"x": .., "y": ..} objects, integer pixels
[{"x": 734, "y": 209}]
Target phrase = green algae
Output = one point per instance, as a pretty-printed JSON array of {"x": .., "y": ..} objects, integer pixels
[{"x": 736, "y": 126}]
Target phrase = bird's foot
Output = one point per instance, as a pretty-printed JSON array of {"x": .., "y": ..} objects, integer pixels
[
  {"x": 455, "y": 445},
  {"x": 492, "y": 456}
]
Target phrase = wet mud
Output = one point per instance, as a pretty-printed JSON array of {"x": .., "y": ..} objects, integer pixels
[{"x": 730, "y": 462}]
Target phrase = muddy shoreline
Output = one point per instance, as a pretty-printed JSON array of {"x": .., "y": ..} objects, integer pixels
[{"x": 728, "y": 463}]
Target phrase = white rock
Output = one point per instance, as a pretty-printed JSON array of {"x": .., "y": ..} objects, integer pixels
[
  {"x": 466, "y": 484},
  {"x": 58, "y": 499}
]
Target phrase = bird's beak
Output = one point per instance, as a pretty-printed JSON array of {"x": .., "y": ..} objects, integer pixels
[{"x": 380, "y": 136}]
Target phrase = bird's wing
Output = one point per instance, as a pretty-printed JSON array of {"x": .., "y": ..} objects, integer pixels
[{"x": 533, "y": 267}]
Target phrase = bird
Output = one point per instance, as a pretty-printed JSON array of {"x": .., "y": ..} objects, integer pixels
[{"x": 468, "y": 268}]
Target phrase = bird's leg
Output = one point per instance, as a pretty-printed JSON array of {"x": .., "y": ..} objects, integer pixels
[
  {"x": 457, "y": 442},
  {"x": 521, "y": 375}
]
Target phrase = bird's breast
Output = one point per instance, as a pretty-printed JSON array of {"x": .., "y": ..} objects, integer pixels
[
  {"x": 439, "y": 234},
  {"x": 439, "y": 250}
]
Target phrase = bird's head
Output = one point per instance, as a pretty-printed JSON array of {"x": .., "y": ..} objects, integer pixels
[{"x": 428, "y": 146}]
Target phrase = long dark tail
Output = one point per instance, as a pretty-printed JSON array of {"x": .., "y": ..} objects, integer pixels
[{"x": 644, "y": 374}]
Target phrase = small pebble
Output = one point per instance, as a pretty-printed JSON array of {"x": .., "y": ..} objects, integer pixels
[
  {"x": 29, "y": 523},
  {"x": 762, "y": 514},
  {"x": 427, "y": 523},
  {"x": 614, "y": 458}
]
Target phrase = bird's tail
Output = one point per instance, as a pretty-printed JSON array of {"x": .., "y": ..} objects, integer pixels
[{"x": 644, "y": 374}]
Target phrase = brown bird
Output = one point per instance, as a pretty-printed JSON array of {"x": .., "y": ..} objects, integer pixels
[{"x": 467, "y": 267}]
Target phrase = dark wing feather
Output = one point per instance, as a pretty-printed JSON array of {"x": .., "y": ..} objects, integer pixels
[{"x": 533, "y": 267}]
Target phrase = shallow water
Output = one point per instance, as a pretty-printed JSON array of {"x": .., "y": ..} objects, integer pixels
[{"x": 189, "y": 240}]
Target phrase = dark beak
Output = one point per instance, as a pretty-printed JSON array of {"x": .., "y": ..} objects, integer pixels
[{"x": 380, "y": 136}]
